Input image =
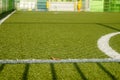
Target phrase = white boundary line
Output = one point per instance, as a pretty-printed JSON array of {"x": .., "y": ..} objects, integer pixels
[
  {"x": 38, "y": 61},
  {"x": 2, "y": 20},
  {"x": 103, "y": 45}
]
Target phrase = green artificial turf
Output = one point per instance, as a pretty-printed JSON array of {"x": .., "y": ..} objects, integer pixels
[
  {"x": 40, "y": 35},
  {"x": 115, "y": 43},
  {"x": 64, "y": 35},
  {"x": 71, "y": 71}
]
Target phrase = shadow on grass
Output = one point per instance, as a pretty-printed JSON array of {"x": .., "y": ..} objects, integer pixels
[
  {"x": 45, "y": 22},
  {"x": 107, "y": 26},
  {"x": 53, "y": 22},
  {"x": 54, "y": 75},
  {"x": 26, "y": 71},
  {"x": 107, "y": 72},
  {"x": 5, "y": 14},
  {"x": 79, "y": 71},
  {"x": 2, "y": 67}
]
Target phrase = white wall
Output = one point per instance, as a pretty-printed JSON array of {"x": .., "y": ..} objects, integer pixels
[{"x": 27, "y": 4}]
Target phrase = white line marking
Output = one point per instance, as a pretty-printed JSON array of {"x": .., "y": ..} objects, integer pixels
[
  {"x": 2, "y": 20},
  {"x": 103, "y": 45},
  {"x": 38, "y": 61}
]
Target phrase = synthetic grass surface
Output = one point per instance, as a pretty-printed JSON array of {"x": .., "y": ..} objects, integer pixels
[
  {"x": 75, "y": 71},
  {"x": 40, "y": 35},
  {"x": 115, "y": 43}
]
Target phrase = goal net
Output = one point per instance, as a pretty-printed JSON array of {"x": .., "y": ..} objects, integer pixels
[{"x": 62, "y": 5}]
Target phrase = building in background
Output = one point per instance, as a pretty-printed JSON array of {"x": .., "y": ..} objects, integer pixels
[
  {"x": 60, "y": 5},
  {"x": 104, "y": 5}
]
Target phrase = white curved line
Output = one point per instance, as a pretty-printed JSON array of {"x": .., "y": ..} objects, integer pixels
[{"x": 103, "y": 45}]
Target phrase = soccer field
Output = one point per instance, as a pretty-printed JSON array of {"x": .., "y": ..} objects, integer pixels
[{"x": 62, "y": 35}]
